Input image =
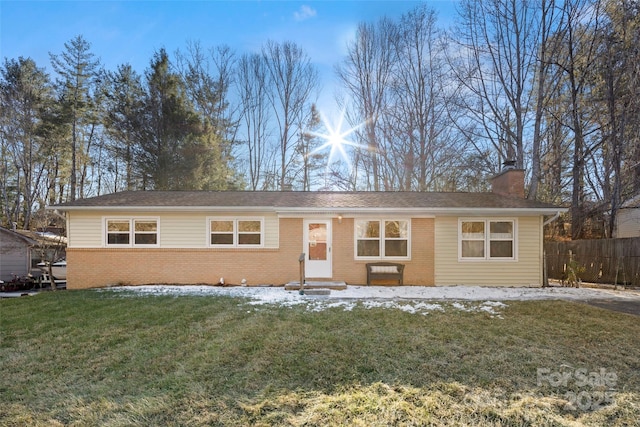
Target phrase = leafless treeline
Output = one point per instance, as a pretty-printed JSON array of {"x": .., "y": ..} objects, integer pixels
[{"x": 550, "y": 84}]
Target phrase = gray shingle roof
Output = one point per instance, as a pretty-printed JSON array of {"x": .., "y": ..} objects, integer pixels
[
  {"x": 304, "y": 200},
  {"x": 632, "y": 203}
]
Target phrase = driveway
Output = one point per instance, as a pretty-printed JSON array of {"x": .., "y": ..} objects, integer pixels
[{"x": 623, "y": 306}]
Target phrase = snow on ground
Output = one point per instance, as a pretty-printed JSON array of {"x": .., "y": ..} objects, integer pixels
[{"x": 411, "y": 299}]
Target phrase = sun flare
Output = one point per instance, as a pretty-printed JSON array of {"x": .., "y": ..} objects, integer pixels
[{"x": 336, "y": 139}]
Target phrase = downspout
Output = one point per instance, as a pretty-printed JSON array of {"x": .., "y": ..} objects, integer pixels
[{"x": 550, "y": 220}]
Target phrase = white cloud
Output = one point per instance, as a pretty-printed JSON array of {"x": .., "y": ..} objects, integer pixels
[{"x": 304, "y": 13}]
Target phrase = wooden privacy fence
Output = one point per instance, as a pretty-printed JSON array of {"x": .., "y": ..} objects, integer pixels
[{"x": 613, "y": 261}]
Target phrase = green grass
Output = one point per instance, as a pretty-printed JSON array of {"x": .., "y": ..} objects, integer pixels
[{"x": 98, "y": 358}]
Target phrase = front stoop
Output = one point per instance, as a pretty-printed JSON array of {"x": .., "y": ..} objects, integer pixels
[
  {"x": 314, "y": 285},
  {"x": 316, "y": 292}
]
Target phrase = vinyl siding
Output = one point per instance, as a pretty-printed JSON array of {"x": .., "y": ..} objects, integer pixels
[
  {"x": 177, "y": 230},
  {"x": 183, "y": 231},
  {"x": 628, "y": 221},
  {"x": 525, "y": 271},
  {"x": 84, "y": 230},
  {"x": 271, "y": 231},
  {"x": 14, "y": 258}
]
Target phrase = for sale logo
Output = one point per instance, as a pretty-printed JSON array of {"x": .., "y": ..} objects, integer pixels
[{"x": 590, "y": 390}]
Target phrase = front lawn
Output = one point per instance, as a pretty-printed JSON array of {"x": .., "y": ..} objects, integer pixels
[{"x": 113, "y": 359}]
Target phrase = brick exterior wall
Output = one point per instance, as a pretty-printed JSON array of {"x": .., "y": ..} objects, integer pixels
[
  {"x": 99, "y": 267},
  {"x": 418, "y": 271},
  {"x": 90, "y": 268}
]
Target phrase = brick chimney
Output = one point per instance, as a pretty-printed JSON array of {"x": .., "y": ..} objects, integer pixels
[{"x": 510, "y": 181}]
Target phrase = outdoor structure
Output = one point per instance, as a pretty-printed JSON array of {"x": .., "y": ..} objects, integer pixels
[
  {"x": 257, "y": 237},
  {"x": 15, "y": 254},
  {"x": 51, "y": 245},
  {"x": 628, "y": 219}
]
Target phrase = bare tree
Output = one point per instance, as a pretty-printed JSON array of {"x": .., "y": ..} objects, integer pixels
[
  {"x": 416, "y": 126},
  {"x": 617, "y": 89},
  {"x": 496, "y": 63},
  {"x": 306, "y": 152},
  {"x": 251, "y": 86},
  {"x": 576, "y": 60},
  {"x": 546, "y": 82},
  {"x": 366, "y": 74},
  {"x": 52, "y": 246},
  {"x": 292, "y": 81}
]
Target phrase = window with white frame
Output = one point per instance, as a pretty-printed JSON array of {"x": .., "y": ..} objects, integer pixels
[
  {"x": 118, "y": 232},
  {"x": 382, "y": 238},
  {"x": 486, "y": 239},
  {"x": 236, "y": 232},
  {"x": 145, "y": 232},
  {"x": 132, "y": 232}
]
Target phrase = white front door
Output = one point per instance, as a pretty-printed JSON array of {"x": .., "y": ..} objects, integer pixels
[{"x": 317, "y": 248}]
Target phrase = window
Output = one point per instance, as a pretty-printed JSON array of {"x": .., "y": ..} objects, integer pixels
[
  {"x": 501, "y": 239},
  {"x": 368, "y": 238},
  {"x": 249, "y": 232},
  {"x": 132, "y": 232},
  {"x": 222, "y": 232},
  {"x": 382, "y": 239},
  {"x": 226, "y": 232},
  {"x": 118, "y": 232},
  {"x": 487, "y": 239},
  {"x": 146, "y": 232}
]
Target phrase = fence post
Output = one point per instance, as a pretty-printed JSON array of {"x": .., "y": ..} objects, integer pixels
[
  {"x": 302, "y": 272},
  {"x": 545, "y": 274}
]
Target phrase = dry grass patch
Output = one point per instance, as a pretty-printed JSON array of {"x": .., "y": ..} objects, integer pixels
[{"x": 440, "y": 405}]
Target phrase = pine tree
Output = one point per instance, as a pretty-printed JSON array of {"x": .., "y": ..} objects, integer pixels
[
  {"x": 25, "y": 95},
  {"x": 77, "y": 68},
  {"x": 125, "y": 101},
  {"x": 171, "y": 130}
]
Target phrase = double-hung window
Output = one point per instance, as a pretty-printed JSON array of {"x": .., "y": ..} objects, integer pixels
[
  {"x": 118, "y": 232},
  {"x": 382, "y": 238},
  {"x": 236, "y": 232},
  {"x": 145, "y": 232},
  {"x": 487, "y": 239},
  {"x": 127, "y": 232}
]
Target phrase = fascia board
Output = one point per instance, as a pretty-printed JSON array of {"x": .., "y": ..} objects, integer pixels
[
  {"x": 163, "y": 208},
  {"x": 297, "y": 212},
  {"x": 420, "y": 212}
]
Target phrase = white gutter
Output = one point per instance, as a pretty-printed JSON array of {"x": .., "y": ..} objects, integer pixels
[
  {"x": 415, "y": 212},
  {"x": 162, "y": 208},
  {"x": 296, "y": 212}
]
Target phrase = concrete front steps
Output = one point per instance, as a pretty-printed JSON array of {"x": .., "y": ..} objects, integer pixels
[{"x": 312, "y": 287}]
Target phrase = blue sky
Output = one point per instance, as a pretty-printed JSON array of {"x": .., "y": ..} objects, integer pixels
[{"x": 131, "y": 31}]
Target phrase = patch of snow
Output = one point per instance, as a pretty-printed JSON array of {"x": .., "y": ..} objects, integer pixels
[
  {"x": 411, "y": 299},
  {"x": 458, "y": 305}
]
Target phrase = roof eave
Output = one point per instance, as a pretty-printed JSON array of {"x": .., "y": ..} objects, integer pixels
[
  {"x": 297, "y": 211},
  {"x": 162, "y": 208},
  {"x": 424, "y": 211}
]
